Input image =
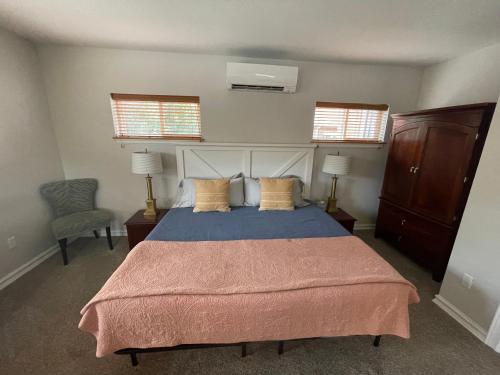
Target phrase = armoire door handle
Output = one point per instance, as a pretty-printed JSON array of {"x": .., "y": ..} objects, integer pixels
[
  {"x": 411, "y": 169},
  {"x": 415, "y": 170}
]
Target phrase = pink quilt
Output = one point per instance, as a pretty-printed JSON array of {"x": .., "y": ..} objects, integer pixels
[{"x": 172, "y": 293}]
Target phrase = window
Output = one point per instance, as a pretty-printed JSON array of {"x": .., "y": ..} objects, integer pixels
[
  {"x": 156, "y": 116},
  {"x": 350, "y": 122}
]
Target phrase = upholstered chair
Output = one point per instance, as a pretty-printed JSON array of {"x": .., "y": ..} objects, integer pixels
[{"x": 73, "y": 204}]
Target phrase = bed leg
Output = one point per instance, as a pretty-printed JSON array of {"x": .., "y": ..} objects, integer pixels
[
  {"x": 133, "y": 358},
  {"x": 281, "y": 347},
  {"x": 376, "y": 342},
  {"x": 108, "y": 236},
  {"x": 243, "y": 350}
]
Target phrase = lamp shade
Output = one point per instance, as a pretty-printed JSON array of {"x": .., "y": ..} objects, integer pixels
[
  {"x": 336, "y": 164},
  {"x": 144, "y": 162}
]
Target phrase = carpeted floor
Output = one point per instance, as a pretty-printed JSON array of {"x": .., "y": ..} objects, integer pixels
[{"x": 39, "y": 314}]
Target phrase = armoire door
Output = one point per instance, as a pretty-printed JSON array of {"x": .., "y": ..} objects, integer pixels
[
  {"x": 398, "y": 179},
  {"x": 441, "y": 169}
]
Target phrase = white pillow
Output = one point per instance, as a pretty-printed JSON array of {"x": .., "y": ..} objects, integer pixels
[
  {"x": 186, "y": 193},
  {"x": 252, "y": 192},
  {"x": 236, "y": 192}
]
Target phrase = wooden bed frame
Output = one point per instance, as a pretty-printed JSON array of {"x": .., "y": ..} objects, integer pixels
[{"x": 281, "y": 348}]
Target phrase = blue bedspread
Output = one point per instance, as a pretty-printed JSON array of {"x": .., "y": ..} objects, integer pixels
[{"x": 181, "y": 224}]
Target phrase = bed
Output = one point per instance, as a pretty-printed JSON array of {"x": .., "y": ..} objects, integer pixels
[{"x": 231, "y": 278}]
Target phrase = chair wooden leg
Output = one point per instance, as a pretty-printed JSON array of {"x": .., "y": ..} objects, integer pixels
[
  {"x": 62, "y": 245},
  {"x": 96, "y": 234},
  {"x": 108, "y": 235},
  {"x": 376, "y": 342},
  {"x": 244, "y": 350}
]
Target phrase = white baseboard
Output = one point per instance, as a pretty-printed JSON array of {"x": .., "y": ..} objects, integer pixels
[
  {"x": 460, "y": 317},
  {"x": 362, "y": 226},
  {"x": 493, "y": 338},
  {"x": 28, "y": 266}
]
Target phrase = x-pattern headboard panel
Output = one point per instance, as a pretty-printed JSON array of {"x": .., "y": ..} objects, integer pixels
[{"x": 259, "y": 160}]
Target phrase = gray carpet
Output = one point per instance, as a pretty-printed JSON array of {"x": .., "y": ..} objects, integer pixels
[{"x": 39, "y": 314}]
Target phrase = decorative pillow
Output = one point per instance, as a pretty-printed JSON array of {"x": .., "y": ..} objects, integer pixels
[
  {"x": 212, "y": 195},
  {"x": 276, "y": 194},
  {"x": 186, "y": 193},
  {"x": 236, "y": 192},
  {"x": 252, "y": 192},
  {"x": 298, "y": 189}
]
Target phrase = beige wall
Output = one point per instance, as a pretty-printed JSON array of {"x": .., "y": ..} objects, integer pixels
[
  {"x": 28, "y": 154},
  {"x": 472, "y": 78},
  {"x": 468, "y": 79},
  {"x": 79, "y": 80}
]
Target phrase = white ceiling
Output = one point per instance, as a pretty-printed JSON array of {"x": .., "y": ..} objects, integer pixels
[{"x": 385, "y": 31}]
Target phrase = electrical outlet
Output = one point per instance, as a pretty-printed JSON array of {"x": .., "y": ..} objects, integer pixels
[
  {"x": 11, "y": 241},
  {"x": 467, "y": 281}
]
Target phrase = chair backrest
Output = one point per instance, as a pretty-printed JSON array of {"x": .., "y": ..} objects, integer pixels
[{"x": 70, "y": 196}]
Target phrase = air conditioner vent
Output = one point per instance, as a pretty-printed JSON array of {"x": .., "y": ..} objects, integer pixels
[
  {"x": 261, "y": 77},
  {"x": 236, "y": 86}
]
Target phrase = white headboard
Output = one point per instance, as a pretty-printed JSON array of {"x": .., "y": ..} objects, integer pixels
[{"x": 216, "y": 160}]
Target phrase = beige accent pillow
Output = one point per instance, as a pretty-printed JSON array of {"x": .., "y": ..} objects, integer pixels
[
  {"x": 212, "y": 195},
  {"x": 276, "y": 194}
]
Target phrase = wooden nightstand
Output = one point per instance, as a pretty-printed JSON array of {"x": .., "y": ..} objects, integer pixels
[
  {"x": 138, "y": 226},
  {"x": 346, "y": 220}
]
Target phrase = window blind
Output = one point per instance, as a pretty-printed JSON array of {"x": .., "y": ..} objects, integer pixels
[
  {"x": 156, "y": 116},
  {"x": 350, "y": 122}
]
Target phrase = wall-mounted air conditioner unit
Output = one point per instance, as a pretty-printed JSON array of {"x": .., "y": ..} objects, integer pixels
[{"x": 261, "y": 77}]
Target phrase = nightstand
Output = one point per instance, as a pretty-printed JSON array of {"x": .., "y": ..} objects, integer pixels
[
  {"x": 346, "y": 220},
  {"x": 138, "y": 226}
]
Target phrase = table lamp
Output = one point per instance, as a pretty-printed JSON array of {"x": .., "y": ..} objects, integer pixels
[
  {"x": 336, "y": 165},
  {"x": 144, "y": 162}
]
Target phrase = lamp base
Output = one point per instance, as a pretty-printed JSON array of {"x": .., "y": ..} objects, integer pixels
[
  {"x": 150, "y": 210},
  {"x": 332, "y": 205}
]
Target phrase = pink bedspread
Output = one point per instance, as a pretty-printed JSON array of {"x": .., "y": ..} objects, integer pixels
[{"x": 172, "y": 293}]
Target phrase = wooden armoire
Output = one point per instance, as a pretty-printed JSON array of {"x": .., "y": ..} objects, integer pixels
[{"x": 431, "y": 165}]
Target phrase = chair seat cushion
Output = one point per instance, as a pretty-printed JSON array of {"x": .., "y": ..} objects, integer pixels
[{"x": 80, "y": 222}]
